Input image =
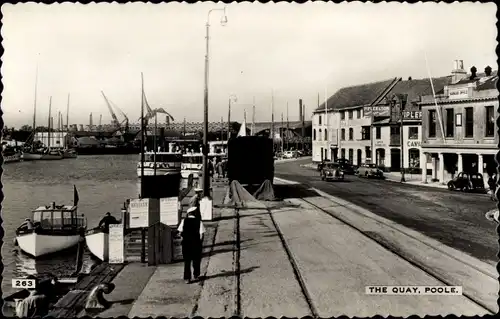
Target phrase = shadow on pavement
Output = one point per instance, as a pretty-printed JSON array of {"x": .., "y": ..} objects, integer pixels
[
  {"x": 230, "y": 273},
  {"x": 293, "y": 191}
]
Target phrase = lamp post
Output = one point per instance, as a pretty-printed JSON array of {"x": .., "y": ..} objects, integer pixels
[
  {"x": 206, "y": 178},
  {"x": 232, "y": 98}
]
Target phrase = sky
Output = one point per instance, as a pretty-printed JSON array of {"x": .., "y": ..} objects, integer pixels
[{"x": 287, "y": 51}]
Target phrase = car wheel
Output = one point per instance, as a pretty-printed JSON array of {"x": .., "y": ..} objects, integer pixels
[
  {"x": 451, "y": 186},
  {"x": 466, "y": 188},
  {"x": 322, "y": 177},
  {"x": 366, "y": 175}
]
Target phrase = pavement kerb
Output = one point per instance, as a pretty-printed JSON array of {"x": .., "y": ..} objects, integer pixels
[{"x": 484, "y": 267}]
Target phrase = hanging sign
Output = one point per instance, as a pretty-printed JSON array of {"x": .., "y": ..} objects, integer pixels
[{"x": 116, "y": 249}]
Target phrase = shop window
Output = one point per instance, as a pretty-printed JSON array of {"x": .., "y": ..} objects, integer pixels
[
  {"x": 413, "y": 133},
  {"x": 490, "y": 121},
  {"x": 414, "y": 158},
  {"x": 351, "y": 134},
  {"x": 469, "y": 122},
  {"x": 450, "y": 122},
  {"x": 342, "y": 134},
  {"x": 432, "y": 123},
  {"x": 378, "y": 133}
]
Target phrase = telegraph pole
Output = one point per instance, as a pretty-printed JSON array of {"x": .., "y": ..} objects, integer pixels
[{"x": 402, "y": 103}]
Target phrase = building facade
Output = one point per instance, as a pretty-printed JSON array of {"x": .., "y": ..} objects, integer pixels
[{"x": 459, "y": 133}]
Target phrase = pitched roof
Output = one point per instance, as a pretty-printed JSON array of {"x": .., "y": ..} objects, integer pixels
[
  {"x": 358, "y": 95},
  {"x": 419, "y": 87}
]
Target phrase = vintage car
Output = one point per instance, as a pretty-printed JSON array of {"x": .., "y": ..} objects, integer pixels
[
  {"x": 346, "y": 166},
  {"x": 331, "y": 171},
  {"x": 467, "y": 182},
  {"x": 369, "y": 171}
]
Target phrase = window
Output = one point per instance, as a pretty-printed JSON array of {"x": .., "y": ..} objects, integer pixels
[
  {"x": 320, "y": 135},
  {"x": 413, "y": 132},
  {"x": 67, "y": 218},
  {"x": 46, "y": 221},
  {"x": 490, "y": 121},
  {"x": 342, "y": 115},
  {"x": 365, "y": 133},
  {"x": 414, "y": 158},
  {"x": 358, "y": 115},
  {"x": 351, "y": 134},
  {"x": 450, "y": 123},
  {"x": 57, "y": 220},
  {"x": 432, "y": 123},
  {"x": 342, "y": 134},
  {"x": 394, "y": 130},
  {"x": 326, "y": 134},
  {"x": 319, "y": 120},
  {"x": 342, "y": 153},
  {"x": 469, "y": 122},
  {"x": 350, "y": 115},
  {"x": 314, "y": 134},
  {"x": 351, "y": 155},
  {"x": 378, "y": 133}
]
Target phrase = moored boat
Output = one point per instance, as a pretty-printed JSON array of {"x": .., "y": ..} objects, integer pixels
[
  {"x": 31, "y": 156},
  {"x": 52, "y": 229},
  {"x": 192, "y": 163},
  {"x": 51, "y": 155},
  {"x": 160, "y": 163},
  {"x": 69, "y": 153},
  {"x": 97, "y": 242},
  {"x": 11, "y": 154}
]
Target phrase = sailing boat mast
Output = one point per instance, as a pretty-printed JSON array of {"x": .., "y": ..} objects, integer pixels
[
  {"x": 142, "y": 135},
  {"x": 154, "y": 156},
  {"x": 67, "y": 123},
  {"x": 34, "y": 106},
  {"x": 50, "y": 114}
]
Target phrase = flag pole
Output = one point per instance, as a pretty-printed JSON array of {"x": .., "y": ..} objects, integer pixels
[
  {"x": 438, "y": 110},
  {"x": 287, "y": 128},
  {"x": 253, "y": 117}
]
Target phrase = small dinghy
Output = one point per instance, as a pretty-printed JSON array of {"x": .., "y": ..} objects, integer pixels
[
  {"x": 97, "y": 239},
  {"x": 52, "y": 229}
]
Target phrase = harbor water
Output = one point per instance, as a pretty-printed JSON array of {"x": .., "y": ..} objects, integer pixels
[{"x": 103, "y": 182}]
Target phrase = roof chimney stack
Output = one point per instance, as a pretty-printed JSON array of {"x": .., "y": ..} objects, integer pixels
[
  {"x": 458, "y": 72},
  {"x": 487, "y": 70},
  {"x": 473, "y": 72}
]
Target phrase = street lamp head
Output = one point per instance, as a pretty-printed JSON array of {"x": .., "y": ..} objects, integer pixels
[{"x": 223, "y": 20}]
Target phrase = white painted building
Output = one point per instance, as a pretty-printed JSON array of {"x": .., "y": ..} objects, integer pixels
[
  {"x": 57, "y": 139},
  {"x": 325, "y": 137}
]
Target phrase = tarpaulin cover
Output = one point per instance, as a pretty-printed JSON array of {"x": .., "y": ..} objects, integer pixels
[
  {"x": 237, "y": 196},
  {"x": 265, "y": 191}
]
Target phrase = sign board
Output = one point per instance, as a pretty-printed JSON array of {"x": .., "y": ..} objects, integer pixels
[
  {"x": 206, "y": 209},
  {"x": 116, "y": 244},
  {"x": 378, "y": 110},
  {"x": 169, "y": 211},
  {"x": 413, "y": 144},
  {"x": 333, "y": 145},
  {"x": 380, "y": 143},
  {"x": 412, "y": 115},
  {"x": 459, "y": 93},
  {"x": 139, "y": 213}
]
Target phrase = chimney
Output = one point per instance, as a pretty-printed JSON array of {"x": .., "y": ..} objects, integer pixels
[
  {"x": 473, "y": 72},
  {"x": 487, "y": 70},
  {"x": 458, "y": 73},
  {"x": 303, "y": 120},
  {"x": 300, "y": 110}
]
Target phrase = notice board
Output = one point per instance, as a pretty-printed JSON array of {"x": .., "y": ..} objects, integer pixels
[
  {"x": 116, "y": 244},
  {"x": 169, "y": 211},
  {"x": 139, "y": 213},
  {"x": 206, "y": 208}
]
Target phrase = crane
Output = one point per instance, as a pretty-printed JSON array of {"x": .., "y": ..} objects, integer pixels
[
  {"x": 113, "y": 115},
  {"x": 126, "y": 121}
]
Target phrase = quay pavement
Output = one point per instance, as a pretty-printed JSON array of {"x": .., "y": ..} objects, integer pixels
[{"x": 311, "y": 254}]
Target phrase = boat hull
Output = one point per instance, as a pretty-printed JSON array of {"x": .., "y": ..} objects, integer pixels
[
  {"x": 70, "y": 155},
  {"x": 159, "y": 171},
  {"x": 51, "y": 157},
  {"x": 12, "y": 158},
  {"x": 98, "y": 244},
  {"x": 196, "y": 173},
  {"x": 31, "y": 156},
  {"x": 37, "y": 245}
]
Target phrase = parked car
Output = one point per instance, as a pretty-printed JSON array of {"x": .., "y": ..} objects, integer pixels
[
  {"x": 467, "y": 182},
  {"x": 290, "y": 154},
  {"x": 369, "y": 171},
  {"x": 331, "y": 171},
  {"x": 346, "y": 166}
]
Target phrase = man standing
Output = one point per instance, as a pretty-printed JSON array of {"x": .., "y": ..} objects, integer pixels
[
  {"x": 192, "y": 230},
  {"x": 107, "y": 220},
  {"x": 194, "y": 201}
]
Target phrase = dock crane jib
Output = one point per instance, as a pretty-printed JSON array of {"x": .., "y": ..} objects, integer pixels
[{"x": 113, "y": 115}]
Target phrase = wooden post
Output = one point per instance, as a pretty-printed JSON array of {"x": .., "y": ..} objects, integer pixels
[{"x": 143, "y": 245}]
